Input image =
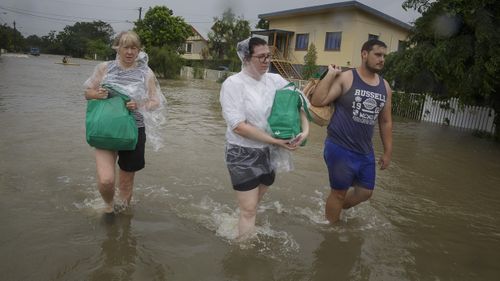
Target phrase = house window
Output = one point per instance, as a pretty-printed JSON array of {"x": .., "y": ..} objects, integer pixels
[
  {"x": 333, "y": 41},
  {"x": 302, "y": 42},
  {"x": 372, "y": 36},
  {"x": 189, "y": 48}
]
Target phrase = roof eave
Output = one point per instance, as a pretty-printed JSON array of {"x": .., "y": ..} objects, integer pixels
[{"x": 347, "y": 4}]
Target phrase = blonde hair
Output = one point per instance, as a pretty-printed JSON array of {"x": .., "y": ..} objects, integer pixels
[{"x": 127, "y": 39}]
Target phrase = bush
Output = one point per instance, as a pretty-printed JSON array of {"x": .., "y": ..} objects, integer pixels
[
  {"x": 310, "y": 67},
  {"x": 165, "y": 61}
]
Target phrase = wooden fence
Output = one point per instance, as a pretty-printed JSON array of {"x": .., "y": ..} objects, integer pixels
[
  {"x": 451, "y": 112},
  {"x": 448, "y": 112},
  {"x": 407, "y": 105}
]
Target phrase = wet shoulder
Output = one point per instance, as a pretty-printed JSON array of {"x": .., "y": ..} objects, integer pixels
[
  {"x": 235, "y": 79},
  {"x": 347, "y": 80},
  {"x": 232, "y": 85},
  {"x": 277, "y": 80}
]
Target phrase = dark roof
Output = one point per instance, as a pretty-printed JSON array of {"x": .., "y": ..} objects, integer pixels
[
  {"x": 347, "y": 4},
  {"x": 270, "y": 31}
]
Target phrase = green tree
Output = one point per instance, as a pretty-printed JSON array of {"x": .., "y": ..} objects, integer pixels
[
  {"x": 262, "y": 24},
  {"x": 165, "y": 61},
  {"x": 310, "y": 67},
  {"x": 33, "y": 41},
  {"x": 454, "y": 52},
  {"x": 11, "y": 39},
  {"x": 226, "y": 32},
  {"x": 51, "y": 44},
  {"x": 163, "y": 34},
  {"x": 74, "y": 39},
  {"x": 98, "y": 49},
  {"x": 6, "y": 36},
  {"x": 161, "y": 28}
]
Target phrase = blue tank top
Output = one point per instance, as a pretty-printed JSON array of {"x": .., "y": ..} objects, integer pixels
[{"x": 356, "y": 113}]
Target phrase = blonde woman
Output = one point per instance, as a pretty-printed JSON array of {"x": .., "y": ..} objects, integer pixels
[{"x": 130, "y": 72}]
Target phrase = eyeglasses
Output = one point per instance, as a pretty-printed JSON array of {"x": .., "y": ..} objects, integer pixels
[{"x": 262, "y": 58}]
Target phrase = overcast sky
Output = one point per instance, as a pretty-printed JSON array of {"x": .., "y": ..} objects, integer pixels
[{"x": 41, "y": 16}]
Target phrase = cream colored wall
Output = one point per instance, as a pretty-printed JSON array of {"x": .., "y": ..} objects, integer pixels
[
  {"x": 197, "y": 47},
  {"x": 355, "y": 27},
  {"x": 388, "y": 33}
]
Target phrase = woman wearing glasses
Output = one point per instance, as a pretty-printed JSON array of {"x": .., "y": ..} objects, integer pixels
[{"x": 246, "y": 99}]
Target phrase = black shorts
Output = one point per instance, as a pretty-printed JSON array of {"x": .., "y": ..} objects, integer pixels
[
  {"x": 249, "y": 167},
  {"x": 133, "y": 160},
  {"x": 266, "y": 179}
]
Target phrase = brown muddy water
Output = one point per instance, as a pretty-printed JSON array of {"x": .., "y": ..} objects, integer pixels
[{"x": 435, "y": 214}]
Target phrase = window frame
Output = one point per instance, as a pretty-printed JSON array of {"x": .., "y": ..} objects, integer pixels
[
  {"x": 189, "y": 48},
  {"x": 306, "y": 41},
  {"x": 339, "y": 45}
]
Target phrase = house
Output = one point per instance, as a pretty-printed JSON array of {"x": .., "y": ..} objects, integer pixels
[
  {"x": 338, "y": 31},
  {"x": 194, "y": 46}
]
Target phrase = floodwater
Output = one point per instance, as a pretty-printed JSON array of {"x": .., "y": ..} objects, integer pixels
[{"x": 435, "y": 214}]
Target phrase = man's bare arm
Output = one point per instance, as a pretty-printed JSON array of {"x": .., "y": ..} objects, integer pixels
[
  {"x": 329, "y": 88},
  {"x": 385, "y": 127}
]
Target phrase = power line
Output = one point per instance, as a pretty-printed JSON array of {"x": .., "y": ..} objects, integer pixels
[
  {"x": 94, "y": 5},
  {"x": 64, "y": 18},
  {"x": 49, "y": 16}
]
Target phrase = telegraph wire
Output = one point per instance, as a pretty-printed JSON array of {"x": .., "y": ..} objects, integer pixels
[
  {"x": 62, "y": 18},
  {"x": 72, "y": 19},
  {"x": 95, "y": 5}
]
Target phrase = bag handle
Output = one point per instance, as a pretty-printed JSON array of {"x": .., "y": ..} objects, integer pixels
[
  {"x": 304, "y": 103},
  {"x": 290, "y": 85},
  {"x": 116, "y": 91}
]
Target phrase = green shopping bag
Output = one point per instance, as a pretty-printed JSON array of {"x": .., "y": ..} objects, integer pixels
[
  {"x": 109, "y": 124},
  {"x": 284, "y": 119}
]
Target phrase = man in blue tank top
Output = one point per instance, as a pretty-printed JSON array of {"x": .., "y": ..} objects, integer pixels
[{"x": 361, "y": 97}]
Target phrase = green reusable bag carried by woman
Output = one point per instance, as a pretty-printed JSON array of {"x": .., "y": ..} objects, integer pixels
[
  {"x": 109, "y": 124},
  {"x": 284, "y": 120}
]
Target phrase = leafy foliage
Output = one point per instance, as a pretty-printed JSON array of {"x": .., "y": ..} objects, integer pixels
[
  {"x": 74, "y": 39},
  {"x": 226, "y": 32},
  {"x": 33, "y": 41},
  {"x": 51, "y": 44},
  {"x": 262, "y": 24},
  {"x": 310, "y": 67},
  {"x": 100, "y": 49},
  {"x": 83, "y": 39},
  {"x": 11, "y": 39},
  {"x": 454, "y": 52},
  {"x": 165, "y": 61},
  {"x": 161, "y": 28},
  {"x": 163, "y": 34}
]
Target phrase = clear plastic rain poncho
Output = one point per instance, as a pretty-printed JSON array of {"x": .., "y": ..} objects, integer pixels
[
  {"x": 141, "y": 85},
  {"x": 245, "y": 99}
]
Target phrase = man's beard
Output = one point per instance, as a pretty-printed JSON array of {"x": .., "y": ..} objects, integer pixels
[{"x": 372, "y": 69}]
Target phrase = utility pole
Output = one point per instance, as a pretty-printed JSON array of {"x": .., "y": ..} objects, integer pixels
[
  {"x": 140, "y": 12},
  {"x": 14, "y": 37}
]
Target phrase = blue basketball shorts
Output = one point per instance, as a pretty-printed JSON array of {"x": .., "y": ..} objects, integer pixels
[{"x": 347, "y": 168}]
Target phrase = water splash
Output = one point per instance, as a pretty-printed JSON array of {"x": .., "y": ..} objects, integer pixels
[{"x": 223, "y": 220}]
